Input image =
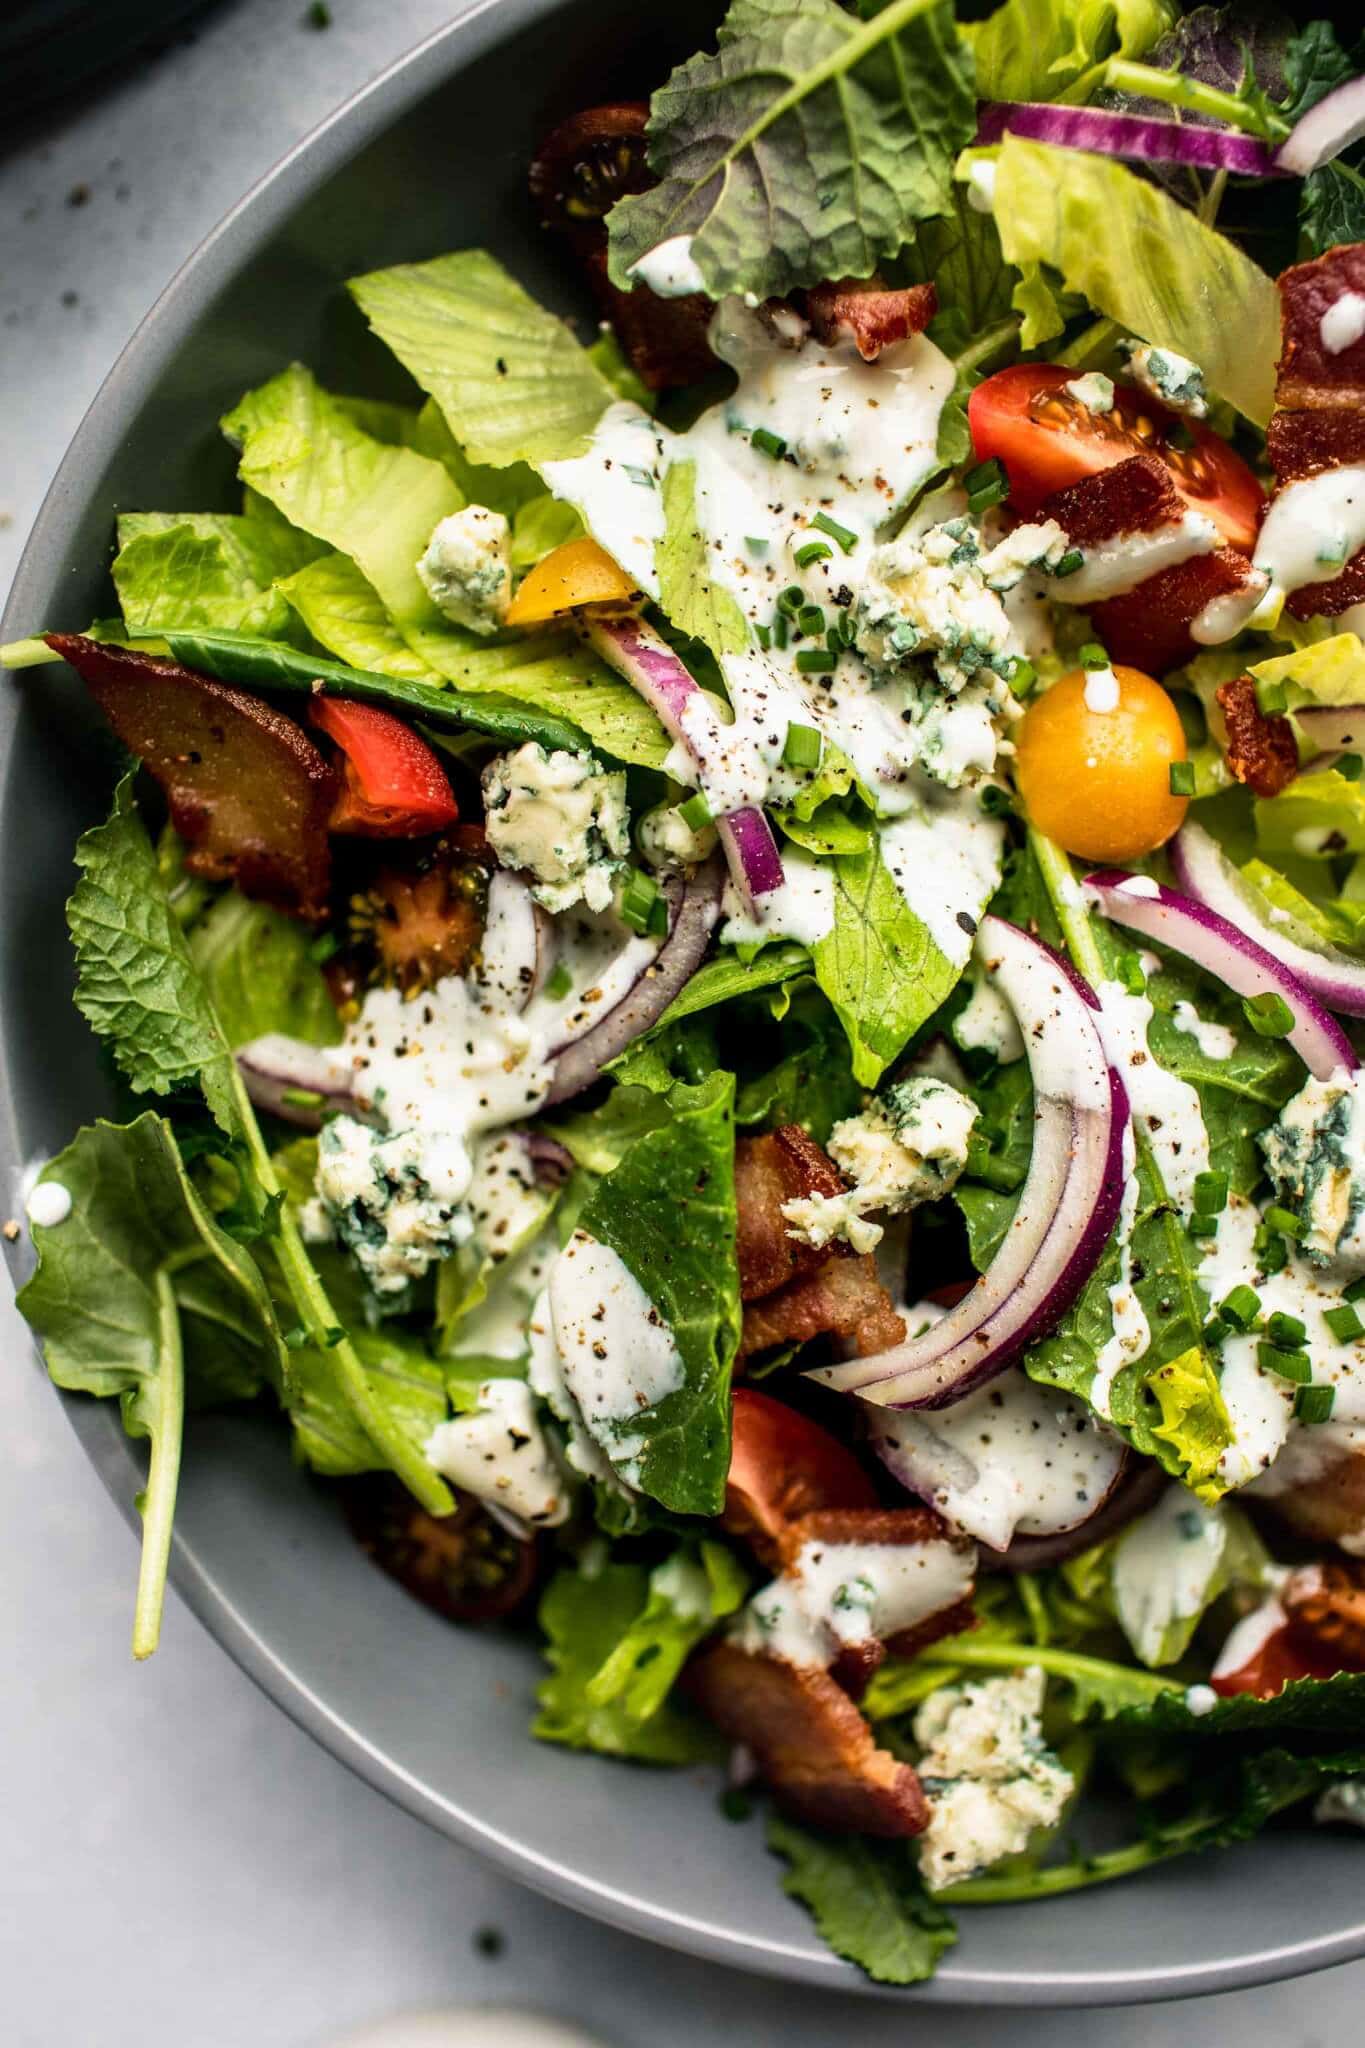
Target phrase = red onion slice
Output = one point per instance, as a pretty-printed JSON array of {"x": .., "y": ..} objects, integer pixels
[
  {"x": 275, "y": 1067},
  {"x": 651, "y": 667},
  {"x": 1067, "y": 1207},
  {"x": 1139, "y": 1484},
  {"x": 1215, "y": 944},
  {"x": 1144, "y": 137},
  {"x": 694, "y": 909},
  {"x": 1338, "y": 727},
  {"x": 1325, "y": 130},
  {"x": 1335, "y": 978},
  {"x": 517, "y": 952}
]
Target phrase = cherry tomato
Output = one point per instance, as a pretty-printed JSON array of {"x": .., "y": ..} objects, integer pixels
[
  {"x": 1098, "y": 781},
  {"x": 576, "y": 572},
  {"x": 781, "y": 1467},
  {"x": 589, "y": 162},
  {"x": 1280, "y": 1658},
  {"x": 394, "y": 787},
  {"x": 1047, "y": 438},
  {"x": 464, "y": 1566}
]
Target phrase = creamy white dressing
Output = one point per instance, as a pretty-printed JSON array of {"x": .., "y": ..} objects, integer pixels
[
  {"x": 802, "y": 908},
  {"x": 1215, "y": 1041},
  {"x": 1012, "y": 1458},
  {"x": 1343, "y": 324},
  {"x": 48, "y": 1204},
  {"x": 1101, "y": 691},
  {"x": 1130, "y": 1332},
  {"x": 618, "y": 1356},
  {"x": 1163, "y": 1106},
  {"x": 669, "y": 269},
  {"x": 1310, "y": 532},
  {"x": 1167, "y": 1567},
  {"x": 1249, "y": 1637},
  {"x": 1115, "y": 566},
  {"x": 946, "y": 859},
  {"x": 837, "y": 1594},
  {"x": 500, "y": 1454},
  {"x": 986, "y": 1023}
]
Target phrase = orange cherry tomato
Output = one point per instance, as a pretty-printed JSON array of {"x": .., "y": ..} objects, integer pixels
[
  {"x": 576, "y": 572},
  {"x": 1047, "y": 438},
  {"x": 1098, "y": 779}
]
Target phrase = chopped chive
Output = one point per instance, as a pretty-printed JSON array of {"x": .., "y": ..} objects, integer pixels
[
  {"x": 1070, "y": 562},
  {"x": 1344, "y": 1323},
  {"x": 323, "y": 948},
  {"x": 1269, "y": 1015},
  {"x": 764, "y": 636},
  {"x": 1210, "y": 1193},
  {"x": 1284, "y": 1220},
  {"x": 1202, "y": 1226},
  {"x": 1349, "y": 767},
  {"x": 1022, "y": 677},
  {"x": 1314, "y": 1404},
  {"x": 756, "y": 544},
  {"x": 1271, "y": 696},
  {"x": 986, "y": 485},
  {"x": 847, "y": 539},
  {"x": 1214, "y": 1332},
  {"x": 791, "y": 599},
  {"x": 559, "y": 983},
  {"x": 1131, "y": 974},
  {"x": 847, "y": 630},
  {"x": 657, "y": 927},
  {"x": 302, "y": 1098},
  {"x": 1271, "y": 1251},
  {"x": 811, "y": 620},
  {"x": 780, "y": 630},
  {"x": 995, "y": 801},
  {"x": 835, "y": 641},
  {"x": 1290, "y": 1365},
  {"x": 1286, "y": 1331},
  {"x": 333, "y": 1335},
  {"x": 1181, "y": 778},
  {"x": 638, "y": 899},
  {"x": 768, "y": 443},
  {"x": 803, "y": 746},
  {"x": 1241, "y": 1307},
  {"x": 1356, "y": 1290},
  {"x": 816, "y": 661},
  {"x": 811, "y": 551},
  {"x": 695, "y": 813},
  {"x": 1092, "y": 655},
  {"x": 295, "y": 1337}
]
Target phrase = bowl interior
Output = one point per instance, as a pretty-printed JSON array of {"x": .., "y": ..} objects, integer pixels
[{"x": 432, "y": 157}]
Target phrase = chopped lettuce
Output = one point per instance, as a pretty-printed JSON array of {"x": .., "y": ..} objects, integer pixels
[
  {"x": 695, "y": 604},
  {"x": 867, "y": 1899},
  {"x": 1330, "y": 671},
  {"x": 403, "y": 1380},
  {"x": 1147, "y": 262},
  {"x": 1035, "y": 49},
  {"x": 259, "y": 974},
  {"x": 878, "y": 965},
  {"x": 1319, "y": 816},
  {"x": 207, "y": 569},
  {"x": 510, "y": 379}
]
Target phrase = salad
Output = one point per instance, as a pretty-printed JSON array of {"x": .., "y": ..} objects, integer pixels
[{"x": 736, "y": 950}]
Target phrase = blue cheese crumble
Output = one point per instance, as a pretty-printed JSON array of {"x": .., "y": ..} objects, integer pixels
[
  {"x": 562, "y": 819},
  {"x": 1315, "y": 1155},
  {"x": 1094, "y": 391},
  {"x": 372, "y": 1195},
  {"x": 467, "y": 568},
  {"x": 987, "y": 1774},
  {"x": 1172, "y": 379},
  {"x": 909, "y": 1146}
]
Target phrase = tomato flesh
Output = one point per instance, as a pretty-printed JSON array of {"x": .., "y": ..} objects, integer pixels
[
  {"x": 393, "y": 785},
  {"x": 783, "y": 1466},
  {"x": 1046, "y": 439},
  {"x": 1281, "y": 1658},
  {"x": 1098, "y": 780}
]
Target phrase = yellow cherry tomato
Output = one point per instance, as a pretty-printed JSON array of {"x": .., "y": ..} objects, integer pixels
[
  {"x": 577, "y": 572},
  {"x": 1094, "y": 768}
]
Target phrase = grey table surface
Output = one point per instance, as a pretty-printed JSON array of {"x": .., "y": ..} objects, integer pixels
[{"x": 181, "y": 1867}]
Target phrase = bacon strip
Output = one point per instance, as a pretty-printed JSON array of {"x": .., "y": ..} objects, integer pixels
[
  {"x": 843, "y": 1298},
  {"x": 908, "y": 1527},
  {"x": 1135, "y": 496},
  {"x": 1319, "y": 423},
  {"x": 1260, "y": 749},
  {"x": 869, "y": 313},
  {"x": 1149, "y": 628},
  {"x": 780, "y": 1166},
  {"x": 1325, "y": 1604},
  {"x": 814, "y": 1749}
]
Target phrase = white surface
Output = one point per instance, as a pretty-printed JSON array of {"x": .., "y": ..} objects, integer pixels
[{"x": 181, "y": 1867}]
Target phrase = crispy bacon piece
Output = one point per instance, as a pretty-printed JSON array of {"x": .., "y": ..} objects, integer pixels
[
  {"x": 902, "y": 1526},
  {"x": 1310, "y": 375},
  {"x": 1325, "y": 1604},
  {"x": 869, "y": 312},
  {"x": 783, "y": 1466},
  {"x": 1260, "y": 749},
  {"x": 1135, "y": 496},
  {"x": 813, "y": 1747},
  {"x": 1331, "y": 1507},
  {"x": 1302, "y": 444},
  {"x": 248, "y": 791},
  {"x": 780, "y": 1166},
  {"x": 1149, "y": 628},
  {"x": 1328, "y": 600},
  {"x": 842, "y": 1298}
]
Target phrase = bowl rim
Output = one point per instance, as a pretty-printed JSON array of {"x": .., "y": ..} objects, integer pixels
[{"x": 262, "y": 210}]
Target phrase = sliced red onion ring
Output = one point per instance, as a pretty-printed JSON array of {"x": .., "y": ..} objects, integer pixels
[
  {"x": 1138, "y": 1485},
  {"x": 1335, "y": 978},
  {"x": 274, "y": 1068},
  {"x": 1325, "y": 130},
  {"x": 693, "y": 909},
  {"x": 1067, "y": 1207},
  {"x": 1214, "y": 943},
  {"x": 551, "y": 1162},
  {"x": 650, "y": 666},
  {"x": 1015, "y": 1457},
  {"x": 518, "y": 949},
  {"x": 1147, "y": 138},
  {"x": 1334, "y": 727}
]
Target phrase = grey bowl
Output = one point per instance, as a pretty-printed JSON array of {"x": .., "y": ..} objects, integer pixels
[{"x": 432, "y": 155}]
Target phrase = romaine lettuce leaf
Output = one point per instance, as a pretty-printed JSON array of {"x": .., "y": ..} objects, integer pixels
[
  {"x": 206, "y": 569},
  {"x": 504, "y": 488},
  {"x": 510, "y": 379},
  {"x": 878, "y": 965},
  {"x": 1035, "y": 49},
  {"x": 378, "y": 503},
  {"x": 1330, "y": 671},
  {"x": 1171, "y": 1564},
  {"x": 259, "y": 975},
  {"x": 696, "y": 605},
  {"x": 404, "y": 1381},
  {"x": 1319, "y": 816},
  {"x": 1145, "y": 261},
  {"x": 668, "y": 1211},
  {"x": 855, "y": 123},
  {"x": 867, "y": 1899}
]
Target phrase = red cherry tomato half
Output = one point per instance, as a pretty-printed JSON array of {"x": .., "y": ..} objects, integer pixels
[
  {"x": 1281, "y": 1657},
  {"x": 1046, "y": 438},
  {"x": 394, "y": 787},
  {"x": 782, "y": 1467}
]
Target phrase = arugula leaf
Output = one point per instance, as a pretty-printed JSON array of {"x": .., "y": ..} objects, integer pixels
[
  {"x": 1314, "y": 65},
  {"x": 139, "y": 1295},
  {"x": 586, "y": 1619},
  {"x": 695, "y": 604},
  {"x": 1145, "y": 261},
  {"x": 856, "y": 124},
  {"x": 723, "y": 979},
  {"x": 668, "y": 1211},
  {"x": 403, "y": 1379},
  {"x": 302, "y": 451},
  {"x": 599, "y": 1139},
  {"x": 960, "y": 254},
  {"x": 258, "y": 975},
  {"x": 510, "y": 379},
  {"x": 867, "y": 1899},
  {"x": 1307, "y": 1710},
  {"x": 878, "y": 965},
  {"x": 812, "y": 1083},
  {"x": 1034, "y": 49},
  {"x": 206, "y": 569},
  {"x": 1100, "y": 1689}
]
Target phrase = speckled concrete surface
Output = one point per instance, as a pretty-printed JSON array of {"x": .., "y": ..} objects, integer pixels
[{"x": 181, "y": 1867}]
